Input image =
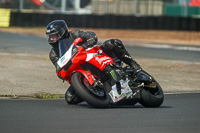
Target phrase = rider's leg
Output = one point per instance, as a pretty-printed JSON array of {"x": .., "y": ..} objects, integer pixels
[{"x": 115, "y": 48}]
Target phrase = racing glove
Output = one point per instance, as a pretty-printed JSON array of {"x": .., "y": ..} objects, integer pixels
[{"x": 89, "y": 43}]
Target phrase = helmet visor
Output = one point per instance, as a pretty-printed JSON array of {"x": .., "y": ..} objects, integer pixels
[{"x": 52, "y": 38}]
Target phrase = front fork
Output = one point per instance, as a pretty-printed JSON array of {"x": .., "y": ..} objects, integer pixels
[{"x": 88, "y": 76}]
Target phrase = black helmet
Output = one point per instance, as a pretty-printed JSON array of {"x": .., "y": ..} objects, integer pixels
[{"x": 56, "y": 30}]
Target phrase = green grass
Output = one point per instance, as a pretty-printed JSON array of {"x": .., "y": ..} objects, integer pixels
[
  {"x": 9, "y": 96},
  {"x": 36, "y": 96},
  {"x": 46, "y": 96}
]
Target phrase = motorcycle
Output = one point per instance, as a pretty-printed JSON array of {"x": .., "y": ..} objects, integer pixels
[{"x": 82, "y": 68}]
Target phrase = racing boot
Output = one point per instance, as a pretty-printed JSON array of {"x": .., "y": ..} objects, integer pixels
[{"x": 126, "y": 58}]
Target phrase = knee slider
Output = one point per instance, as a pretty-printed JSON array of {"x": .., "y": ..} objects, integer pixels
[
  {"x": 70, "y": 94},
  {"x": 113, "y": 48},
  {"x": 71, "y": 97}
]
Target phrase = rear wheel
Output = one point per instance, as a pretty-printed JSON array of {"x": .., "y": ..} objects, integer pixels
[
  {"x": 97, "y": 97},
  {"x": 152, "y": 97}
]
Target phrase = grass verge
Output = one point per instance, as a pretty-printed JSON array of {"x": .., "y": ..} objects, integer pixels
[
  {"x": 8, "y": 96},
  {"x": 35, "y": 96},
  {"x": 46, "y": 96}
]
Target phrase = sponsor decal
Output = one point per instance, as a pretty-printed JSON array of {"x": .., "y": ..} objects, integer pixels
[
  {"x": 87, "y": 73},
  {"x": 103, "y": 60},
  {"x": 74, "y": 50},
  {"x": 113, "y": 74},
  {"x": 63, "y": 58},
  {"x": 120, "y": 97},
  {"x": 100, "y": 60}
]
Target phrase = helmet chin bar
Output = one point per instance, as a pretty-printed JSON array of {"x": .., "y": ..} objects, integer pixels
[{"x": 54, "y": 37}]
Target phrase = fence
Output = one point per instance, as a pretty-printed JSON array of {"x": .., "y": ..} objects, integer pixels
[
  {"x": 118, "y": 14},
  {"x": 100, "y": 7},
  {"x": 128, "y": 7},
  {"x": 107, "y": 21}
]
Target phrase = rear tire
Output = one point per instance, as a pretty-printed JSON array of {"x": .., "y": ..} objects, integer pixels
[
  {"x": 152, "y": 97},
  {"x": 77, "y": 80}
]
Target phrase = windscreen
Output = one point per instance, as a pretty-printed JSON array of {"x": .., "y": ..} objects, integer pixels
[{"x": 64, "y": 45}]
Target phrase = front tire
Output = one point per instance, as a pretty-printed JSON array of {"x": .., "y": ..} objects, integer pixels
[{"x": 82, "y": 87}]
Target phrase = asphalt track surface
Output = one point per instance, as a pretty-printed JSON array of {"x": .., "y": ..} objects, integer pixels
[{"x": 178, "y": 114}]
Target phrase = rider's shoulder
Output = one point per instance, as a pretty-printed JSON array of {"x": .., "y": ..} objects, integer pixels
[{"x": 73, "y": 31}]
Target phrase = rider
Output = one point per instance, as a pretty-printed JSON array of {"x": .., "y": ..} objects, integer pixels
[{"x": 58, "y": 29}]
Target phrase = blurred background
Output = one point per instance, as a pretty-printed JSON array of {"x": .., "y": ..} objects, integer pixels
[
  {"x": 122, "y": 14},
  {"x": 118, "y": 7}
]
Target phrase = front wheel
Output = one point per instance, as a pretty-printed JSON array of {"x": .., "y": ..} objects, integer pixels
[
  {"x": 152, "y": 97},
  {"x": 95, "y": 97}
]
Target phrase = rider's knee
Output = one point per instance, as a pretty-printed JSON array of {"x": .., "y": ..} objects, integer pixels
[
  {"x": 113, "y": 48},
  {"x": 71, "y": 97},
  {"x": 118, "y": 43}
]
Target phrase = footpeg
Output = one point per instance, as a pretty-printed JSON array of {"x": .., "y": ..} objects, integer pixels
[{"x": 135, "y": 85}]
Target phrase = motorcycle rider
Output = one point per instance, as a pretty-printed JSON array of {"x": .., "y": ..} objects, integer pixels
[{"x": 58, "y": 29}]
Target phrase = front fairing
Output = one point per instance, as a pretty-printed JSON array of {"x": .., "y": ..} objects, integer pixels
[{"x": 71, "y": 56}]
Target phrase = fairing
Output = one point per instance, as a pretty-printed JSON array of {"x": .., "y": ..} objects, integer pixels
[{"x": 72, "y": 56}]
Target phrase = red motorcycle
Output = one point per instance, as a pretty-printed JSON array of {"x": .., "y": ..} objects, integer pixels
[{"x": 82, "y": 68}]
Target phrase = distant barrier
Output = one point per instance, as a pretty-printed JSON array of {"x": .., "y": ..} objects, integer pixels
[
  {"x": 4, "y": 17},
  {"x": 107, "y": 21}
]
